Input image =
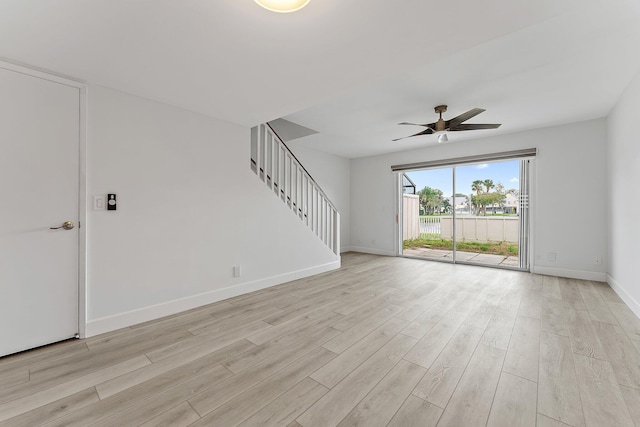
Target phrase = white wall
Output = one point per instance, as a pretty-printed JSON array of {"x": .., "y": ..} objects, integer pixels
[
  {"x": 623, "y": 198},
  {"x": 333, "y": 174},
  {"x": 570, "y": 167},
  {"x": 189, "y": 210}
]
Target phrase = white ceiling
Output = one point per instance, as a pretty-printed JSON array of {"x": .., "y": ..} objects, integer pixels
[{"x": 350, "y": 69}]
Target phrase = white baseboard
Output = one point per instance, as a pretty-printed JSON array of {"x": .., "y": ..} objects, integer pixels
[
  {"x": 571, "y": 274},
  {"x": 373, "y": 251},
  {"x": 133, "y": 317},
  {"x": 624, "y": 295}
]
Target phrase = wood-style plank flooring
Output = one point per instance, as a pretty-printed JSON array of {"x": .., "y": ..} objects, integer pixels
[{"x": 381, "y": 341}]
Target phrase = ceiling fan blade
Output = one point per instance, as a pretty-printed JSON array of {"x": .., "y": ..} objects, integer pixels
[
  {"x": 427, "y": 131},
  {"x": 474, "y": 127},
  {"x": 463, "y": 117},
  {"x": 429, "y": 125}
]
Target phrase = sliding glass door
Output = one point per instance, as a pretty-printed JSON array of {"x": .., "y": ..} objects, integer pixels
[
  {"x": 487, "y": 232},
  {"x": 424, "y": 214},
  {"x": 474, "y": 213}
]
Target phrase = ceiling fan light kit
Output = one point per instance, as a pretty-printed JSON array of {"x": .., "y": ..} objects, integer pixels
[
  {"x": 283, "y": 6},
  {"x": 453, "y": 125}
]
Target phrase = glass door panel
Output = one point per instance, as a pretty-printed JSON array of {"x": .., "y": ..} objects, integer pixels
[
  {"x": 487, "y": 223},
  {"x": 427, "y": 214}
]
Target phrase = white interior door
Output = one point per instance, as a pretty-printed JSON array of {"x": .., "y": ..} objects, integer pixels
[{"x": 39, "y": 188}]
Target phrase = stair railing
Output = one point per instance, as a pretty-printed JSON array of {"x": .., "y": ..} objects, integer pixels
[{"x": 282, "y": 172}]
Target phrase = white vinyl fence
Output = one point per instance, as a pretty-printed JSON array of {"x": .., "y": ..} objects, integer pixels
[
  {"x": 469, "y": 228},
  {"x": 481, "y": 228},
  {"x": 410, "y": 216},
  {"x": 430, "y": 227}
]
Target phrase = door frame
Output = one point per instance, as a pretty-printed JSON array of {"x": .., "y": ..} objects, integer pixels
[
  {"x": 82, "y": 176},
  {"x": 398, "y": 230}
]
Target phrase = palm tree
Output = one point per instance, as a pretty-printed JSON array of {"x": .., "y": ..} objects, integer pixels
[
  {"x": 477, "y": 186},
  {"x": 489, "y": 184}
]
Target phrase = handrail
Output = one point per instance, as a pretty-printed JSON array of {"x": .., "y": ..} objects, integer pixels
[
  {"x": 279, "y": 168},
  {"x": 320, "y": 190}
]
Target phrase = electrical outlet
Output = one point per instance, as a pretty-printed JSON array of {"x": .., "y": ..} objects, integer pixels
[
  {"x": 236, "y": 271},
  {"x": 551, "y": 257},
  {"x": 598, "y": 260}
]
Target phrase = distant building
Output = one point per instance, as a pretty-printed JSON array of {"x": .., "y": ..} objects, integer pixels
[
  {"x": 510, "y": 205},
  {"x": 461, "y": 204}
]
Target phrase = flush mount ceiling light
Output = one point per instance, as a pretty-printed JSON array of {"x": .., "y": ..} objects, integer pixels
[{"x": 283, "y": 6}]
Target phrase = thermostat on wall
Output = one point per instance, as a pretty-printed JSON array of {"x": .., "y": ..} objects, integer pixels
[{"x": 111, "y": 202}]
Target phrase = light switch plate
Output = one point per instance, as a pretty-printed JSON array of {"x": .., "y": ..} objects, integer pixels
[{"x": 98, "y": 203}]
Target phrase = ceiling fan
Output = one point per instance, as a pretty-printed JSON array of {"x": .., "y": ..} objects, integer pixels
[{"x": 454, "y": 125}]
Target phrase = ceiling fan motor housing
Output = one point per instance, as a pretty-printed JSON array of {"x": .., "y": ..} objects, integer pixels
[{"x": 441, "y": 109}]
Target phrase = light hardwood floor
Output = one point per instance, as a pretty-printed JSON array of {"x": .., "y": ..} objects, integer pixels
[{"x": 381, "y": 341}]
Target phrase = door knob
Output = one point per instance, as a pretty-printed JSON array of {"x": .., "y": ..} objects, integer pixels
[{"x": 67, "y": 225}]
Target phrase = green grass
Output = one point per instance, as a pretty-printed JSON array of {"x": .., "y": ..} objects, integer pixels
[{"x": 502, "y": 248}]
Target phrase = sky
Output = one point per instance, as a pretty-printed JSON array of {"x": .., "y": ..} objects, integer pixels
[{"x": 505, "y": 172}]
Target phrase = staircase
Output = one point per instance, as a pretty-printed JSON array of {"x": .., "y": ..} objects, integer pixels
[{"x": 280, "y": 170}]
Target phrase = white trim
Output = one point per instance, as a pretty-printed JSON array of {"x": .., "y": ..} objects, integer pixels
[
  {"x": 82, "y": 184},
  {"x": 133, "y": 317},
  {"x": 82, "y": 217},
  {"x": 533, "y": 204},
  {"x": 42, "y": 74},
  {"x": 624, "y": 295},
  {"x": 398, "y": 232},
  {"x": 454, "y": 217},
  {"x": 373, "y": 251},
  {"x": 571, "y": 274}
]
